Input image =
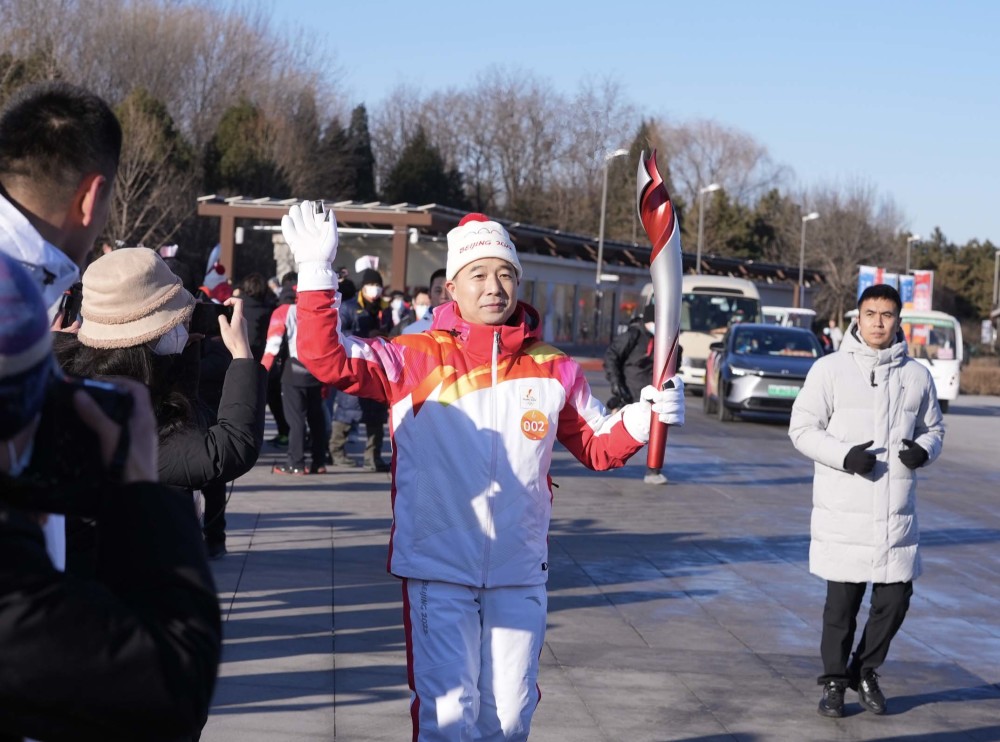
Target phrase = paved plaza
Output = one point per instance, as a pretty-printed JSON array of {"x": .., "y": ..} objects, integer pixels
[{"x": 683, "y": 612}]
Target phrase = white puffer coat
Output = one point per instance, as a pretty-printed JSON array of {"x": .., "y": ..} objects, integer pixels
[{"x": 864, "y": 528}]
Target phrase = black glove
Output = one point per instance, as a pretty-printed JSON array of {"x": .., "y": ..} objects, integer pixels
[
  {"x": 623, "y": 394},
  {"x": 858, "y": 460},
  {"x": 914, "y": 456}
]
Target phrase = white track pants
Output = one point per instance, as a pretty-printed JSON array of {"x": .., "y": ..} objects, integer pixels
[{"x": 472, "y": 659}]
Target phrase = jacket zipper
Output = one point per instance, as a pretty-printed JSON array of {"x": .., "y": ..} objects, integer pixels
[{"x": 493, "y": 460}]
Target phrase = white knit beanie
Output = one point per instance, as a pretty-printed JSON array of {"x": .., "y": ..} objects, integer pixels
[{"x": 476, "y": 237}]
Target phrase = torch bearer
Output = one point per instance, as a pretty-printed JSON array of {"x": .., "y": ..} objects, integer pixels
[{"x": 665, "y": 267}]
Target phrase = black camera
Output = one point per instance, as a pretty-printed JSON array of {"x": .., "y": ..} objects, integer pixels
[
  {"x": 205, "y": 318},
  {"x": 66, "y": 451},
  {"x": 69, "y": 305}
]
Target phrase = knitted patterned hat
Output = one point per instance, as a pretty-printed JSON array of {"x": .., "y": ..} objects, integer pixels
[
  {"x": 476, "y": 237},
  {"x": 130, "y": 297},
  {"x": 25, "y": 348}
]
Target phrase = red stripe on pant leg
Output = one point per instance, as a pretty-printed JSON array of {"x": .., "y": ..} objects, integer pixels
[{"x": 407, "y": 630}]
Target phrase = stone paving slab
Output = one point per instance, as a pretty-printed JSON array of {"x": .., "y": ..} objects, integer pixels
[{"x": 683, "y": 612}]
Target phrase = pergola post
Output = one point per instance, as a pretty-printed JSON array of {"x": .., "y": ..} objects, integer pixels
[
  {"x": 400, "y": 248},
  {"x": 227, "y": 238}
]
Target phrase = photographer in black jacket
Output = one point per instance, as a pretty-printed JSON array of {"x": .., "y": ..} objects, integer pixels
[
  {"x": 133, "y": 653},
  {"x": 628, "y": 366}
]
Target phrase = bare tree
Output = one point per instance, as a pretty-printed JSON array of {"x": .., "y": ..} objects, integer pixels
[
  {"x": 703, "y": 151},
  {"x": 197, "y": 57},
  {"x": 194, "y": 58},
  {"x": 857, "y": 227},
  {"x": 394, "y": 122},
  {"x": 155, "y": 190},
  {"x": 522, "y": 119},
  {"x": 598, "y": 120}
]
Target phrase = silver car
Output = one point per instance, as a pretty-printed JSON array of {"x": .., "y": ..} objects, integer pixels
[{"x": 758, "y": 368}]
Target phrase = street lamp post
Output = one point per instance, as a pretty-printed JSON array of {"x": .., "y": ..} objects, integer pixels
[
  {"x": 799, "y": 298},
  {"x": 701, "y": 220},
  {"x": 909, "y": 241},
  {"x": 600, "y": 241}
]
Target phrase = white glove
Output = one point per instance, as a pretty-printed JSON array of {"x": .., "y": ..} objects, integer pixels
[
  {"x": 311, "y": 233},
  {"x": 668, "y": 404}
]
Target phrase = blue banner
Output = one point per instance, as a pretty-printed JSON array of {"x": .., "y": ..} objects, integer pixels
[
  {"x": 906, "y": 291},
  {"x": 866, "y": 277}
]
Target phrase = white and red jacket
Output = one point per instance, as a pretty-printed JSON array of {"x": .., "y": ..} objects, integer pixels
[{"x": 474, "y": 413}]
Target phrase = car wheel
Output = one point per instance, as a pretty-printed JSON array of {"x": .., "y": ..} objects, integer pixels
[
  {"x": 723, "y": 412},
  {"x": 944, "y": 404}
]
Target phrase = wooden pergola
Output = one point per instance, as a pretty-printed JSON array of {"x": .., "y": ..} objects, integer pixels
[
  {"x": 436, "y": 220},
  {"x": 400, "y": 219}
]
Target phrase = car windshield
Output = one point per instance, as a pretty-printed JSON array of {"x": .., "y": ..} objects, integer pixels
[
  {"x": 930, "y": 339},
  {"x": 775, "y": 341},
  {"x": 715, "y": 312}
]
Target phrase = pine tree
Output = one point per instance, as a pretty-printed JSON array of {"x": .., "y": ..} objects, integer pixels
[
  {"x": 420, "y": 177},
  {"x": 359, "y": 151},
  {"x": 237, "y": 159}
]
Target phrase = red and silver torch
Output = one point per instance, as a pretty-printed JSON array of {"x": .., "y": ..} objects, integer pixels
[{"x": 666, "y": 268}]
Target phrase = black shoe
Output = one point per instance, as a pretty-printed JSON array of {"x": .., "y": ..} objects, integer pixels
[
  {"x": 832, "y": 702},
  {"x": 216, "y": 549},
  {"x": 378, "y": 466},
  {"x": 286, "y": 469},
  {"x": 317, "y": 469},
  {"x": 870, "y": 694},
  {"x": 279, "y": 441}
]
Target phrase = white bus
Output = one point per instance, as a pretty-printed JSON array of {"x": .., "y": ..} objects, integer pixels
[
  {"x": 935, "y": 341},
  {"x": 710, "y": 304},
  {"x": 789, "y": 317}
]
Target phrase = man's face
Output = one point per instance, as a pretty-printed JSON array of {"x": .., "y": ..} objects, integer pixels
[
  {"x": 421, "y": 304},
  {"x": 439, "y": 294},
  {"x": 878, "y": 320},
  {"x": 486, "y": 291}
]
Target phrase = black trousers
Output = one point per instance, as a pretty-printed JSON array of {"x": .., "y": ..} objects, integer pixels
[
  {"x": 215, "y": 512},
  {"x": 889, "y": 604},
  {"x": 304, "y": 405},
  {"x": 274, "y": 399}
]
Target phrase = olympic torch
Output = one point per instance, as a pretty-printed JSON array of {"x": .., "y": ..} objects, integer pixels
[{"x": 666, "y": 268}]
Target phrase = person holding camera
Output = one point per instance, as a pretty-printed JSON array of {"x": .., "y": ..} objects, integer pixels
[
  {"x": 628, "y": 366},
  {"x": 133, "y": 653},
  {"x": 59, "y": 152},
  {"x": 135, "y": 315}
]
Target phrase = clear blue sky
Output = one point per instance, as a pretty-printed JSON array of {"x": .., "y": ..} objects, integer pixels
[{"x": 903, "y": 94}]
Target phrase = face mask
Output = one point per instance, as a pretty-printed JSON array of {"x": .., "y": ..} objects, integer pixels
[
  {"x": 651, "y": 327},
  {"x": 172, "y": 343},
  {"x": 371, "y": 292},
  {"x": 420, "y": 310},
  {"x": 397, "y": 304},
  {"x": 19, "y": 465}
]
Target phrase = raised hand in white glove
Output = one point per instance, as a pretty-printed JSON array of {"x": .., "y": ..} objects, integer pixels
[
  {"x": 668, "y": 404},
  {"x": 311, "y": 233}
]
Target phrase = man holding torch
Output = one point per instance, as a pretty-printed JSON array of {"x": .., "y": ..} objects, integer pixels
[{"x": 477, "y": 404}]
